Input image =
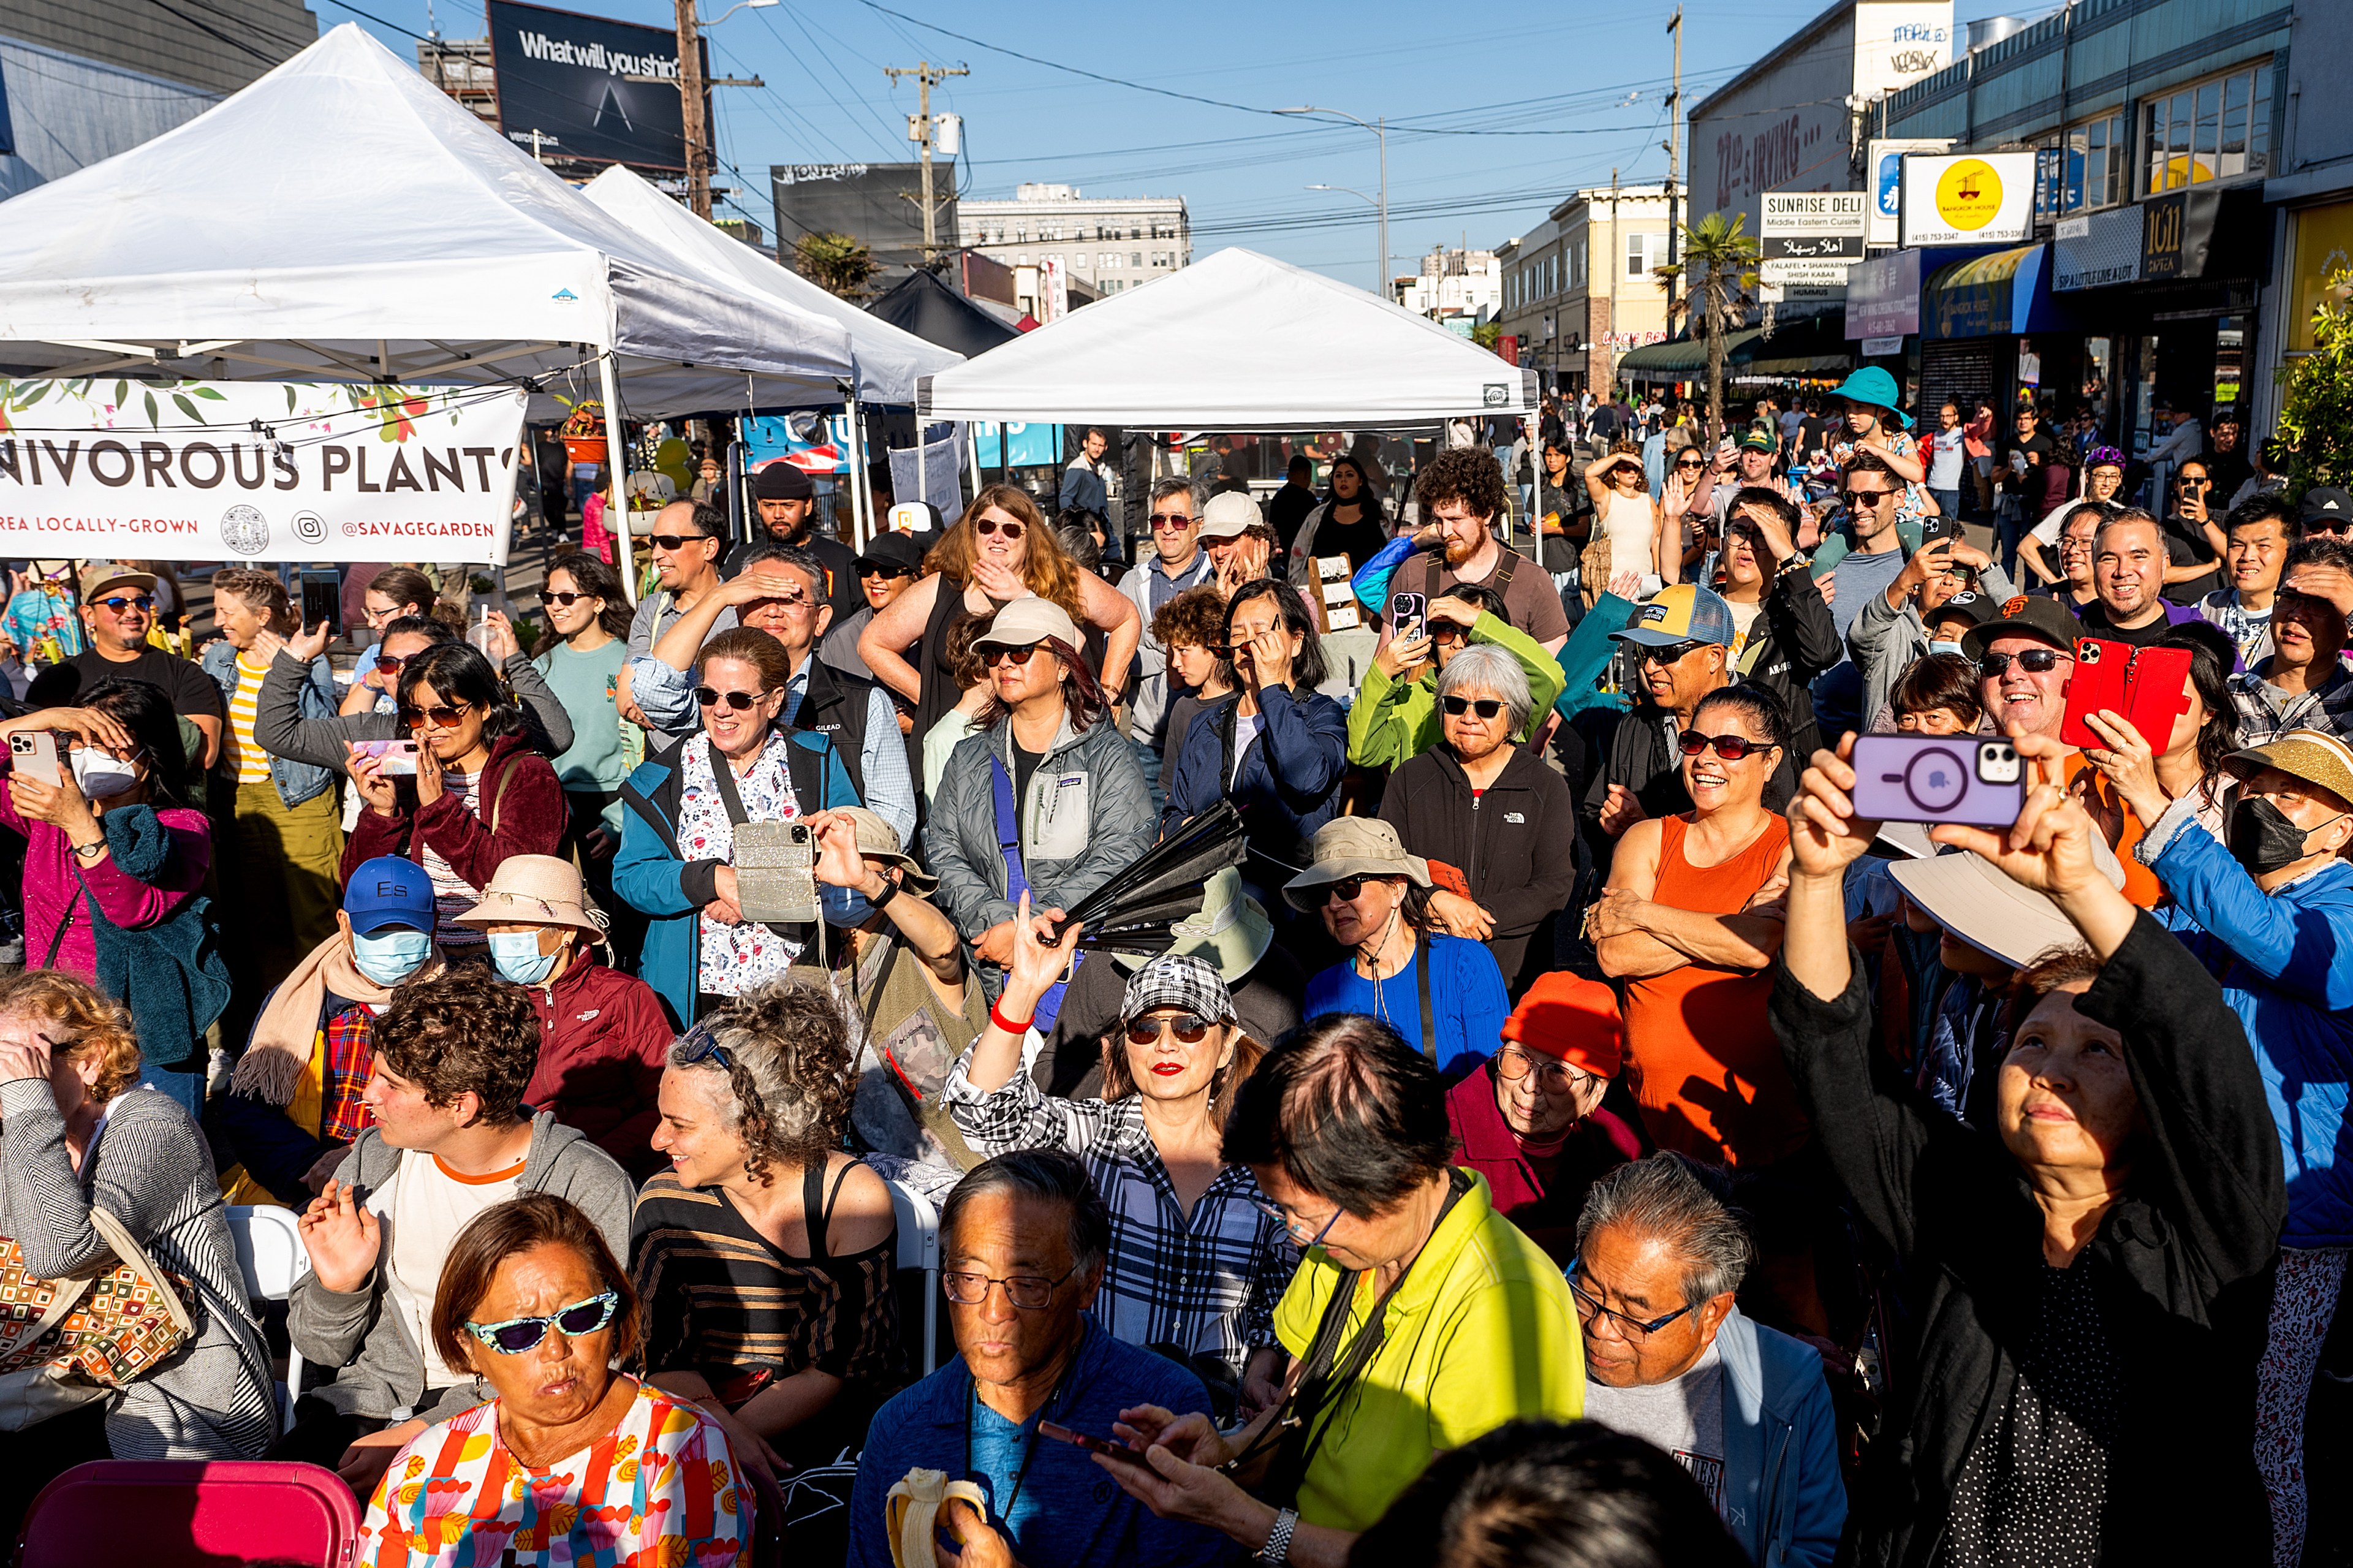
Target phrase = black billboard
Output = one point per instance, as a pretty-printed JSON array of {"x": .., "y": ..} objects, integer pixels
[
  {"x": 880, "y": 206},
  {"x": 565, "y": 77}
]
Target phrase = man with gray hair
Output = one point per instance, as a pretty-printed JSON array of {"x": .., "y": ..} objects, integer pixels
[
  {"x": 1176, "y": 562},
  {"x": 1669, "y": 1359}
]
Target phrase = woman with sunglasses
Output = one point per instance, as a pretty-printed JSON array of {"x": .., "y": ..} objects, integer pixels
[
  {"x": 1632, "y": 528},
  {"x": 1485, "y": 803},
  {"x": 480, "y": 792},
  {"x": 1691, "y": 920},
  {"x": 569, "y": 1461},
  {"x": 582, "y": 667},
  {"x": 763, "y": 1253},
  {"x": 677, "y": 836},
  {"x": 1349, "y": 520},
  {"x": 1196, "y": 1265},
  {"x": 394, "y": 593},
  {"x": 1001, "y": 549}
]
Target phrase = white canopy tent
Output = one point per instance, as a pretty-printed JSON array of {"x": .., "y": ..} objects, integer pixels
[
  {"x": 342, "y": 220},
  {"x": 1235, "y": 341}
]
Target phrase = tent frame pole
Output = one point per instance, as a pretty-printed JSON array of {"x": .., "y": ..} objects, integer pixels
[
  {"x": 856, "y": 461},
  {"x": 616, "y": 471}
]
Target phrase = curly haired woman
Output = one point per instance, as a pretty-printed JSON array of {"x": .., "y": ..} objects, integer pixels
[{"x": 765, "y": 1253}]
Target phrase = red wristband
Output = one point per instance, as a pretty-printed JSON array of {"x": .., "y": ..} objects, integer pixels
[{"x": 1006, "y": 1023}]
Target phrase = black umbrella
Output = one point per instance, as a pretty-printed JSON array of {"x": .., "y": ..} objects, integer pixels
[{"x": 1133, "y": 912}]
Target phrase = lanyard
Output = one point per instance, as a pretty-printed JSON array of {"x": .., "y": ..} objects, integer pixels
[{"x": 1030, "y": 1447}]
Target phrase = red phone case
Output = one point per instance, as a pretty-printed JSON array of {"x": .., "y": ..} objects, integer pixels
[{"x": 2149, "y": 686}]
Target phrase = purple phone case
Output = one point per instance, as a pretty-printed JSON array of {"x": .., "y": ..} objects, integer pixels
[{"x": 1931, "y": 778}]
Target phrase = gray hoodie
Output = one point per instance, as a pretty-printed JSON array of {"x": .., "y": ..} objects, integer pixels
[{"x": 382, "y": 1369}]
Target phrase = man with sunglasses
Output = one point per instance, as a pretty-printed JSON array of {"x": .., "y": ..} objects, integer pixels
[
  {"x": 451, "y": 1138},
  {"x": 1176, "y": 562},
  {"x": 118, "y": 611},
  {"x": 1670, "y": 1358},
  {"x": 687, "y": 542}
]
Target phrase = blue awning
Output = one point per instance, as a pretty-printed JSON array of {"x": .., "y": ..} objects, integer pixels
[{"x": 1996, "y": 295}]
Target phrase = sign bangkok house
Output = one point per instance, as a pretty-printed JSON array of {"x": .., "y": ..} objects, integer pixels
[{"x": 103, "y": 469}]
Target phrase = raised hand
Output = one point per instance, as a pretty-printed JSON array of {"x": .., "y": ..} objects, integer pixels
[
  {"x": 1825, "y": 835},
  {"x": 368, "y": 781},
  {"x": 342, "y": 1236}
]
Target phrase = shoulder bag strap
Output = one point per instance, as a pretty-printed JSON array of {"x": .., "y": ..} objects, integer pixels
[
  {"x": 499, "y": 791},
  {"x": 1008, "y": 829},
  {"x": 1421, "y": 984},
  {"x": 1503, "y": 573},
  {"x": 723, "y": 776}
]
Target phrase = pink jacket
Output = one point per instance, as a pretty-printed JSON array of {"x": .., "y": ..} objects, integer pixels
[{"x": 52, "y": 893}]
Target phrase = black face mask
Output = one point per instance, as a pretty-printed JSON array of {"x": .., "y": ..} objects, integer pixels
[{"x": 2263, "y": 839}]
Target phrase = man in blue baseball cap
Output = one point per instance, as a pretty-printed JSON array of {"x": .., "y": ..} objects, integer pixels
[{"x": 293, "y": 1105}]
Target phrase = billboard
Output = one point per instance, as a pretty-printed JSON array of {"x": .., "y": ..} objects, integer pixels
[
  {"x": 880, "y": 206},
  {"x": 564, "y": 77},
  {"x": 1970, "y": 198},
  {"x": 1883, "y": 171}
]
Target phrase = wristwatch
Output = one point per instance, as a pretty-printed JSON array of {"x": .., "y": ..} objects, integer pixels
[
  {"x": 90, "y": 851},
  {"x": 1278, "y": 1540}
]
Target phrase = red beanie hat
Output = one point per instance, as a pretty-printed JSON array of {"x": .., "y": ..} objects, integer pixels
[{"x": 1571, "y": 1019}]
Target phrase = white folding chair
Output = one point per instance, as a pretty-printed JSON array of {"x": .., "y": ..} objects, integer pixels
[
  {"x": 919, "y": 1248},
  {"x": 270, "y": 1255}
]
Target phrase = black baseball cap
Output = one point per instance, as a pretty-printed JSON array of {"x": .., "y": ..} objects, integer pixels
[
  {"x": 892, "y": 550},
  {"x": 2326, "y": 505},
  {"x": 2024, "y": 616},
  {"x": 1967, "y": 604}
]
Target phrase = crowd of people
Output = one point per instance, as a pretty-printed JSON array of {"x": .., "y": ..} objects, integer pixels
[{"x": 1571, "y": 1112}]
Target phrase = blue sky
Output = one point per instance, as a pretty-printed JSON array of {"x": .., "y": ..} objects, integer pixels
[{"x": 1550, "y": 105}]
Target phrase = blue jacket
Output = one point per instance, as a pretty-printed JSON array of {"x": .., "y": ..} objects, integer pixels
[
  {"x": 2280, "y": 958},
  {"x": 1289, "y": 778},
  {"x": 654, "y": 878},
  {"x": 296, "y": 781},
  {"x": 1784, "y": 1497}
]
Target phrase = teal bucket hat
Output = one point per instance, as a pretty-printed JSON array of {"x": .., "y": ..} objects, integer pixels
[{"x": 1873, "y": 385}]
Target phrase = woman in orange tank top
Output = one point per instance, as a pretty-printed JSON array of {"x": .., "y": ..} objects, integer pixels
[{"x": 1691, "y": 920}]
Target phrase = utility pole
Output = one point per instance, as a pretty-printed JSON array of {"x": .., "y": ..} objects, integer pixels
[
  {"x": 1674, "y": 161},
  {"x": 926, "y": 74},
  {"x": 1617, "y": 259},
  {"x": 692, "y": 102}
]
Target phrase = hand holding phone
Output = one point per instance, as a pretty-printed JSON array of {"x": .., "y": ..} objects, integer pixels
[
  {"x": 393, "y": 758},
  {"x": 1971, "y": 779},
  {"x": 33, "y": 754},
  {"x": 2149, "y": 686},
  {"x": 1093, "y": 1445}
]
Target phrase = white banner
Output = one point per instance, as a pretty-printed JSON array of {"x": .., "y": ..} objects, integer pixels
[
  {"x": 1804, "y": 214},
  {"x": 100, "y": 468}
]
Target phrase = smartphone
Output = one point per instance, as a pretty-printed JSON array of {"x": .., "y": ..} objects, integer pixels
[
  {"x": 2149, "y": 686},
  {"x": 33, "y": 754},
  {"x": 394, "y": 759},
  {"x": 322, "y": 602},
  {"x": 776, "y": 872},
  {"x": 1103, "y": 1445},
  {"x": 1933, "y": 529},
  {"x": 1971, "y": 779},
  {"x": 1408, "y": 613}
]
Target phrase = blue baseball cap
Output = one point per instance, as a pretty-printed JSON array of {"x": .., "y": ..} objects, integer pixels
[
  {"x": 389, "y": 892},
  {"x": 1684, "y": 613}
]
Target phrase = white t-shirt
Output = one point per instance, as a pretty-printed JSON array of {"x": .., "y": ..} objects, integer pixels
[
  {"x": 1684, "y": 1418},
  {"x": 1246, "y": 729},
  {"x": 429, "y": 1205}
]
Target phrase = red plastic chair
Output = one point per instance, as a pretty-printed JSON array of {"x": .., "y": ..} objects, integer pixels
[{"x": 191, "y": 1514}]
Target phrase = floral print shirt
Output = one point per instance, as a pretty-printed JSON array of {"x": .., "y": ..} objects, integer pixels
[
  {"x": 658, "y": 1491},
  {"x": 739, "y": 957}
]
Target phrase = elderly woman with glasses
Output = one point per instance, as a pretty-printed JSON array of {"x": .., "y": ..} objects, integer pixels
[
  {"x": 1481, "y": 801},
  {"x": 569, "y": 1461},
  {"x": 1195, "y": 1266}
]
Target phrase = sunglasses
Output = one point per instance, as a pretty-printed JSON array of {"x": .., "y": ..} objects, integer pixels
[
  {"x": 674, "y": 541},
  {"x": 1864, "y": 498},
  {"x": 703, "y": 1048},
  {"x": 1441, "y": 631},
  {"x": 1670, "y": 654},
  {"x": 387, "y": 664},
  {"x": 710, "y": 697},
  {"x": 1486, "y": 706},
  {"x": 440, "y": 718},
  {"x": 1190, "y": 1029},
  {"x": 1731, "y": 748},
  {"x": 517, "y": 1335},
  {"x": 564, "y": 601},
  {"x": 1691, "y": 463},
  {"x": 1171, "y": 522},
  {"x": 988, "y": 526},
  {"x": 1346, "y": 890},
  {"x": 2034, "y": 661},
  {"x": 883, "y": 569},
  {"x": 120, "y": 605},
  {"x": 1013, "y": 656}
]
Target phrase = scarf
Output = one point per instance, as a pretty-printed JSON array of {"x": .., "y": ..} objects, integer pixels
[{"x": 279, "y": 1051}]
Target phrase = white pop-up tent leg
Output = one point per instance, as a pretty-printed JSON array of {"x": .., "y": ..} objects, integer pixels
[{"x": 616, "y": 474}]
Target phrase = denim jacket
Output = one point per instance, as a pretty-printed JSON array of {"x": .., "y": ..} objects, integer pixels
[{"x": 296, "y": 781}]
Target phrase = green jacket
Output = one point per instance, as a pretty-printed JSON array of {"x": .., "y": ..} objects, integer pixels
[{"x": 1394, "y": 721}]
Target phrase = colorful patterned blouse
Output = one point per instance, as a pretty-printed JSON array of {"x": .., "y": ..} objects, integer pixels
[{"x": 657, "y": 1492}]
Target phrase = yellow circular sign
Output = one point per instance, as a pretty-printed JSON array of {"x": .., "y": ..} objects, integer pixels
[{"x": 1969, "y": 194}]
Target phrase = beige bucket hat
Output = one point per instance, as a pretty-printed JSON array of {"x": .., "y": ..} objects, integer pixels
[{"x": 1354, "y": 846}]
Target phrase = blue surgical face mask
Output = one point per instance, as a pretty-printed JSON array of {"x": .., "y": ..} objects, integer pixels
[
  {"x": 1937, "y": 646},
  {"x": 516, "y": 953},
  {"x": 390, "y": 956}
]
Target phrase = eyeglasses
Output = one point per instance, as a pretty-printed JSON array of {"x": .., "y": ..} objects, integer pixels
[
  {"x": 1172, "y": 522},
  {"x": 2033, "y": 661},
  {"x": 122, "y": 604},
  {"x": 1013, "y": 656},
  {"x": 1190, "y": 1029},
  {"x": 711, "y": 696},
  {"x": 1669, "y": 653},
  {"x": 1282, "y": 1217},
  {"x": 988, "y": 526},
  {"x": 1552, "y": 1077},
  {"x": 1864, "y": 498},
  {"x": 1630, "y": 1327},
  {"x": 701, "y": 1047},
  {"x": 1487, "y": 707},
  {"x": 1731, "y": 748},
  {"x": 883, "y": 569},
  {"x": 1029, "y": 1292},
  {"x": 440, "y": 718},
  {"x": 564, "y": 601},
  {"x": 674, "y": 541},
  {"x": 517, "y": 1335}
]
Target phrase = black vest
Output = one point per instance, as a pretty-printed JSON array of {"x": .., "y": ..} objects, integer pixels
[{"x": 835, "y": 705}]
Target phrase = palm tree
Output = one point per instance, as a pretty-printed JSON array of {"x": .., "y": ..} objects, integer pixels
[
  {"x": 835, "y": 263},
  {"x": 1719, "y": 267}
]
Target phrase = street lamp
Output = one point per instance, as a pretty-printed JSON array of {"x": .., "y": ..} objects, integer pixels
[
  {"x": 1380, "y": 128},
  {"x": 1379, "y": 283},
  {"x": 740, "y": 6}
]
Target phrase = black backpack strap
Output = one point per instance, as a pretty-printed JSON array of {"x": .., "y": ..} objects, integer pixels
[{"x": 1421, "y": 951}]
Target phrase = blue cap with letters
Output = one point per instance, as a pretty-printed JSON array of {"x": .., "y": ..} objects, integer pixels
[{"x": 389, "y": 892}]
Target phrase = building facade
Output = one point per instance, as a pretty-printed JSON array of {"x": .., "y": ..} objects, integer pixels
[
  {"x": 1578, "y": 291},
  {"x": 1077, "y": 247},
  {"x": 81, "y": 80},
  {"x": 1459, "y": 288}
]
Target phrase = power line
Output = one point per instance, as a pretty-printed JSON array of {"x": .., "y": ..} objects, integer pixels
[{"x": 372, "y": 16}]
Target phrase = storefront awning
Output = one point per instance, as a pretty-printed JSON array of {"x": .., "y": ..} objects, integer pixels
[
  {"x": 1678, "y": 358},
  {"x": 1996, "y": 295},
  {"x": 1811, "y": 345}
]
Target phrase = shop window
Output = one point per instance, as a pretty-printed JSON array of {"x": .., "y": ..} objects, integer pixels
[{"x": 2215, "y": 130}]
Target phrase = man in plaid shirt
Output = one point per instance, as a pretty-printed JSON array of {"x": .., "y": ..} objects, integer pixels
[{"x": 2303, "y": 685}]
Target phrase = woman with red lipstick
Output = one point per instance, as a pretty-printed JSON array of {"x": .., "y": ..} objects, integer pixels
[
  {"x": 1197, "y": 1264},
  {"x": 2092, "y": 1260}
]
